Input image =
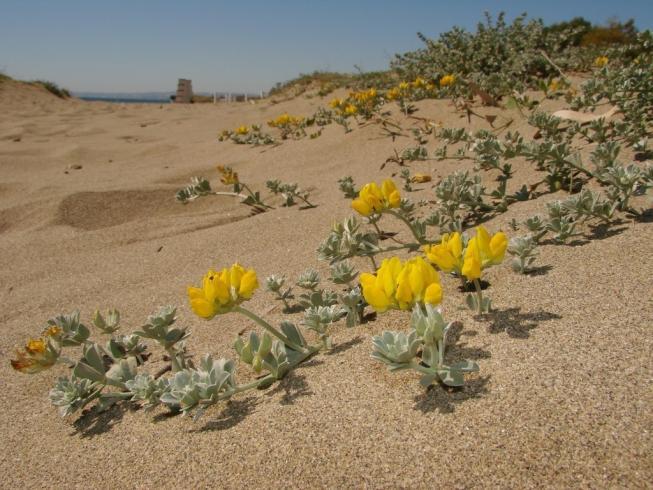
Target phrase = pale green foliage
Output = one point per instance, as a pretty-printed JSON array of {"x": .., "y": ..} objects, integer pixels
[
  {"x": 346, "y": 240},
  {"x": 309, "y": 279},
  {"x": 192, "y": 387},
  {"x": 198, "y": 187},
  {"x": 343, "y": 272},
  {"x": 346, "y": 185},
  {"x": 524, "y": 251},
  {"x": 289, "y": 192},
  {"x": 428, "y": 334}
]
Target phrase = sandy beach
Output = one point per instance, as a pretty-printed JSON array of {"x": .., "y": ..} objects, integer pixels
[{"x": 88, "y": 220}]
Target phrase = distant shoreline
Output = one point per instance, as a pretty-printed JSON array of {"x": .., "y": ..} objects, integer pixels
[{"x": 126, "y": 100}]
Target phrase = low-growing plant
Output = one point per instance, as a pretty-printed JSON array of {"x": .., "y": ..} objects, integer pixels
[
  {"x": 523, "y": 249},
  {"x": 247, "y": 135},
  {"x": 290, "y": 126},
  {"x": 113, "y": 372},
  {"x": 289, "y": 192},
  {"x": 422, "y": 350},
  {"x": 201, "y": 187}
]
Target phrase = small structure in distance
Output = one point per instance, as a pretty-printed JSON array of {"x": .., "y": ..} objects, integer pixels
[{"x": 184, "y": 91}]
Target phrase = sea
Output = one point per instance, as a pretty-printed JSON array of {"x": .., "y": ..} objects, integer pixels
[{"x": 125, "y": 100}]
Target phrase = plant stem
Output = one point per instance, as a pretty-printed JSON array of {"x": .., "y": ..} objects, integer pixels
[
  {"x": 422, "y": 369},
  {"x": 253, "y": 196},
  {"x": 408, "y": 223},
  {"x": 176, "y": 367},
  {"x": 479, "y": 294},
  {"x": 269, "y": 328},
  {"x": 234, "y": 194},
  {"x": 306, "y": 354}
]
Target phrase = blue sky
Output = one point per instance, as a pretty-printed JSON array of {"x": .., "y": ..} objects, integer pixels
[{"x": 135, "y": 46}]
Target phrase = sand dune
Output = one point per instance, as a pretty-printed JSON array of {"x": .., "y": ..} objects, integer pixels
[{"x": 564, "y": 392}]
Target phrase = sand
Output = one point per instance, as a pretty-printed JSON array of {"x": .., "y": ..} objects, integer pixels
[{"x": 563, "y": 397}]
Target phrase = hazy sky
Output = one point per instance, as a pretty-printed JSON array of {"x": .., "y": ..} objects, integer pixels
[{"x": 134, "y": 46}]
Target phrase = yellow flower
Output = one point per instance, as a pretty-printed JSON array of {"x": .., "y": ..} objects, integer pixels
[
  {"x": 393, "y": 93},
  {"x": 554, "y": 85},
  {"x": 448, "y": 255},
  {"x": 229, "y": 177},
  {"x": 601, "y": 61},
  {"x": 38, "y": 355},
  {"x": 242, "y": 130},
  {"x": 399, "y": 286},
  {"x": 371, "y": 93},
  {"x": 351, "y": 109},
  {"x": 447, "y": 80},
  {"x": 220, "y": 292},
  {"x": 493, "y": 249},
  {"x": 35, "y": 346},
  {"x": 335, "y": 103},
  {"x": 52, "y": 331},
  {"x": 419, "y": 83},
  {"x": 472, "y": 263},
  {"x": 404, "y": 86},
  {"x": 483, "y": 252},
  {"x": 373, "y": 199},
  {"x": 420, "y": 178}
]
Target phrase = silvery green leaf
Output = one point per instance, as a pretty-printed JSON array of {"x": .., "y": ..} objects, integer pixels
[
  {"x": 317, "y": 298},
  {"x": 428, "y": 323},
  {"x": 277, "y": 361},
  {"x": 124, "y": 370},
  {"x": 427, "y": 380},
  {"x": 309, "y": 279},
  {"x": 91, "y": 366},
  {"x": 346, "y": 185},
  {"x": 190, "y": 387},
  {"x": 199, "y": 186},
  {"x": 84, "y": 371},
  {"x": 317, "y": 318},
  {"x": 145, "y": 388},
  {"x": 108, "y": 325},
  {"x": 72, "y": 394},
  {"x": 451, "y": 378},
  {"x": 395, "y": 348},
  {"x": 123, "y": 346},
  {"x": 465, "y": 367},
  {"x": 164, "y": 317},
  {"x": 472, "y": 302},
  {"x": 346, "y": 241},
  {"x": 274, "y": 283},
  {"x": 73, "y": 332},
  {"x": 293, "y": 333},
  {"x": 343, "y": 272},
  {"x": 431, "y": 355}
]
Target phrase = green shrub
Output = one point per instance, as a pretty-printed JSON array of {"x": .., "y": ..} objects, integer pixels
[{"x": 53, "y": 88}]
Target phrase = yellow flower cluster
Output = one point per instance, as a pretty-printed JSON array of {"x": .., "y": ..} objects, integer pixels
[
  {"x": 286, "y": 121},
  {"x": 373, "y": 199},
  {"x": 38, "y": 355},
  {"x": 399, "y": 285},
  {"x": 403, "y": 89},
  {"x": 365, "y": 96},
  {"x": 482, "y": 251},
  {"x": 242, "y": 130},
  {"x": 337, "y": 103},
  {"x": 447, "y": 81},
  {"x": 221, "y": 291},
  {"x": 601, "y": 61},
  {"x": 228, "y": 176}
]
